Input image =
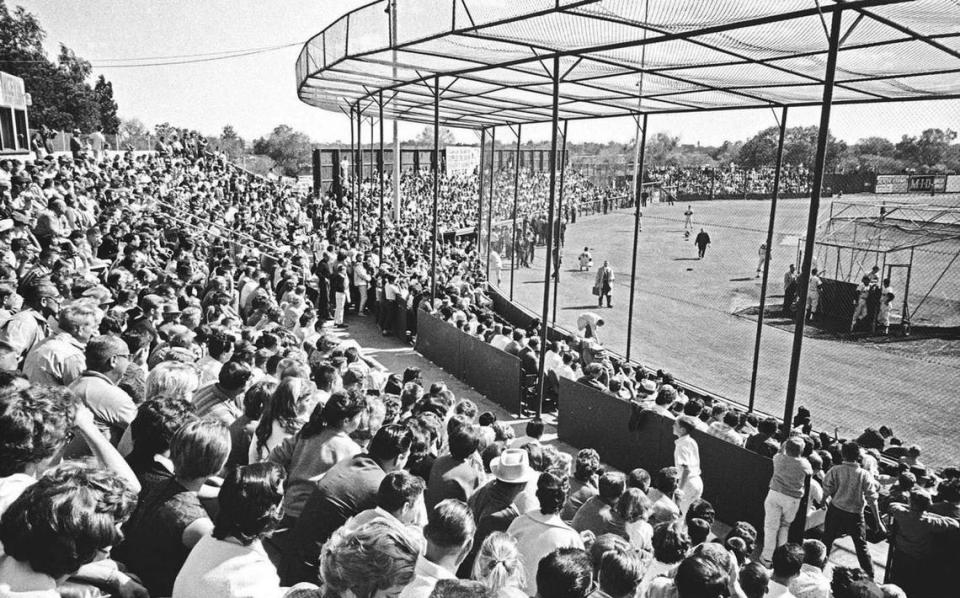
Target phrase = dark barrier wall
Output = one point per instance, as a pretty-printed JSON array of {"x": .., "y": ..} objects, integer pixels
[
  {"x": 519, "y": 316},
  {"x": 838, "y": 299},
  {"x": 492, "y": 372},
  {"x": 735, "y": 480}
]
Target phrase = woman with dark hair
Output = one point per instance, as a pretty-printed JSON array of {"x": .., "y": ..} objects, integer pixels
[
  {"x": 156, "y": 422},
  {"x": 319, "y": 445},
  {"x": 282, "y": 417},
  {"x": 232, "y": 563},
  {"x": 670, "y": 545},
  {"x": 256, "y": 400},
  {"x": 70, "y": 517},
  {"x": 169, "y": 519}
]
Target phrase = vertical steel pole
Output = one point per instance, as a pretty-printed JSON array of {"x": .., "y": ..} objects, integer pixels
[
  {"x": 435, "y": 164},
  {"x": 359, "y": 170},
  {"x": 397, "y": 210},
  {"x": 516, "y": 197},
  {"x": 493, "y": 167},
  {"x": 382, "y": 178},
  {"x": 483, "y": 143},
  {"x": 556, "y": 242},
  {"x": 353, "y": 167},
  {"x": 637, "y": 193},
  {"x": 544, "y": 326},
  {"x": 822, "y": 135},
  {"x": 766, "y": 263}
]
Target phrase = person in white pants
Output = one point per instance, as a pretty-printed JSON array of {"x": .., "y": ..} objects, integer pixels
[
  {"x": 790, "y": 471},
  {"x": 686, "y": 458}
]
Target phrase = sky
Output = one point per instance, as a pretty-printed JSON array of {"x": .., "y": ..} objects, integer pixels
[{"x": 255, "y": 93}]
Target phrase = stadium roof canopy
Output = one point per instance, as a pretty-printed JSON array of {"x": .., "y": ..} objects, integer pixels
[{"x": 495, "y": 57}]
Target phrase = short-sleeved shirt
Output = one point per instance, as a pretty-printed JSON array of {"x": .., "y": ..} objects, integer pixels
[
  {"x": 686, "y": 452},
  {"x": 57, "y": 361},
  {"x": 113, "y": 409}
]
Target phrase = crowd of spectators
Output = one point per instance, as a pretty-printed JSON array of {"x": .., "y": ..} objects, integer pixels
[
  {"x": 178, "y": 416},
  {"x": 730, "y": 180}
]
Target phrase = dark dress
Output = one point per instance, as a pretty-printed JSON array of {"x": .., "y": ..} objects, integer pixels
[{"x": 153, "y": 538}]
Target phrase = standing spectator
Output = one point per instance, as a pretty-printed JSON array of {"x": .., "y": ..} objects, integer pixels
[
  {"x": 790, "y": 471},
  {"x": 789, "y": 289},
  {"x": 540, "y": 532},
  {"x": 917, "y": 562},
  {"x": 754, "y": 580},
  {"x": 701, "y": 241},
  {"x": 662, "y": 495},
  {"x": 603, "y": 284},
  {"x": 449, "y": 535},
  {"x": 812, "y": 583},
  {"x": 686, "y": 458},
  {"x": 97, "y": 142},
  {"x": 339, "y": 286},
  {"x": 814, "y": 290},
  {"x": 620, "y": 574},
  {"x": 849, "y": 488},
  {"x": 76, "y": 145}
]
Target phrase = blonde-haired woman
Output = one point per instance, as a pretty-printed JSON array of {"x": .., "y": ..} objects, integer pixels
[
  {"x": 172, "y": 379},
  {"x": 499, "y": 566}
]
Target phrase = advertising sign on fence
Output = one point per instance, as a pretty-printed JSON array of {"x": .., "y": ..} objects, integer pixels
[
  {"x": 462, "y": 160},
  {"x": 893, "y": 183},
  {"x": 952, "y": 184}
]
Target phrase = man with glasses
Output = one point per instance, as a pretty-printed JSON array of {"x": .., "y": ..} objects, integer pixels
[
  {"x": 24, "y": 331},
  {"x": 113, "y": 409}
]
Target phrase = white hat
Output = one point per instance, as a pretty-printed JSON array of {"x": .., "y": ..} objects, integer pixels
[
  {"x": 6, "y": 224},
  {"x": 512, "y": 467}
]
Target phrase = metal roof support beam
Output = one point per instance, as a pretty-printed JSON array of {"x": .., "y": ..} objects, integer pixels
[
  {"x": 816, "y": 191},
  {"x": 353, "y": 166},
  {"x": 904, "y": 29},
  {"x": 435, "y": 166},
  {"x": 381, "y": 163},
  {"x": 637, "y": 200},
  {"x": 516, "y": 200},
  {"x": 544, "y": 322},
  {"x": 493, "y": 170},
  {"x": 766, "y": 258},
  {"x": 359, "y": 167},
  {"x": 483, "y": 143},
  {"x": 559, "y": 232}
]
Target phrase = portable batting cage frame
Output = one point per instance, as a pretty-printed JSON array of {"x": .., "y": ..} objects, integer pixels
[
  {"x": 859, "y": 235},
  {"x": 507, "y": 63}
]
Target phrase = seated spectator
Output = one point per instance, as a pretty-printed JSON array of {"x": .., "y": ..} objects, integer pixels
[
  {"x": 564, "y": 573},
  {"x": 597, "y": 513},
  {"x": 499, "y": 567},
  {"x": 376, "y": 559},
  {"x": 811, "y": 582},
  {"x": 345, "y": 490},
  {"x": 220, "y": 400},
  {"x": 917, "y": 566},
  {"x": 456, "y": 474},
  {"x": 287, "y": 412},
  {"x": 670, "y": 545},
  {"x": 493, "y": 504},
  {"x": 242, "y": 430},
  {"x": 449, "y": 535},
  {"x": 630, "y": 521},
  {"x": 540, "y": 532},
  {"x": 172, "y": 379},
  {"x": 533, "y": 432},
  {"x": 399, "y": 502},
  {"x": 169, "y": 519},
  {"x": 69, "y": 518},
  {"x": 231, "y": 562},
  {"x": 321, "y": 443},
  {"x": 726, "y": 429},
  {"x": 60, "y": 359},
  {"x": 583, "y": 482},
  {"x": 152, "y": 430},
  {"x": 107, "y": 358},
  {"x": 663, "y": 489},
  {"x": 620, "y": 575},
  {"x": 754, "y": 580},
  {"x": 787, "y": 562}
]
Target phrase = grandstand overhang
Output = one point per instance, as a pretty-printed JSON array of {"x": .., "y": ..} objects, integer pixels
[{"x": 624, "y": 57}]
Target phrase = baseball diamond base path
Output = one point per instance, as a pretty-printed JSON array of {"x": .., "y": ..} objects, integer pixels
[{"x": 684, "y": 322}]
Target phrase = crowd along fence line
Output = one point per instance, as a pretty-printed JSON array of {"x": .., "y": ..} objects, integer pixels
[{"x": 492, "y": 372}]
